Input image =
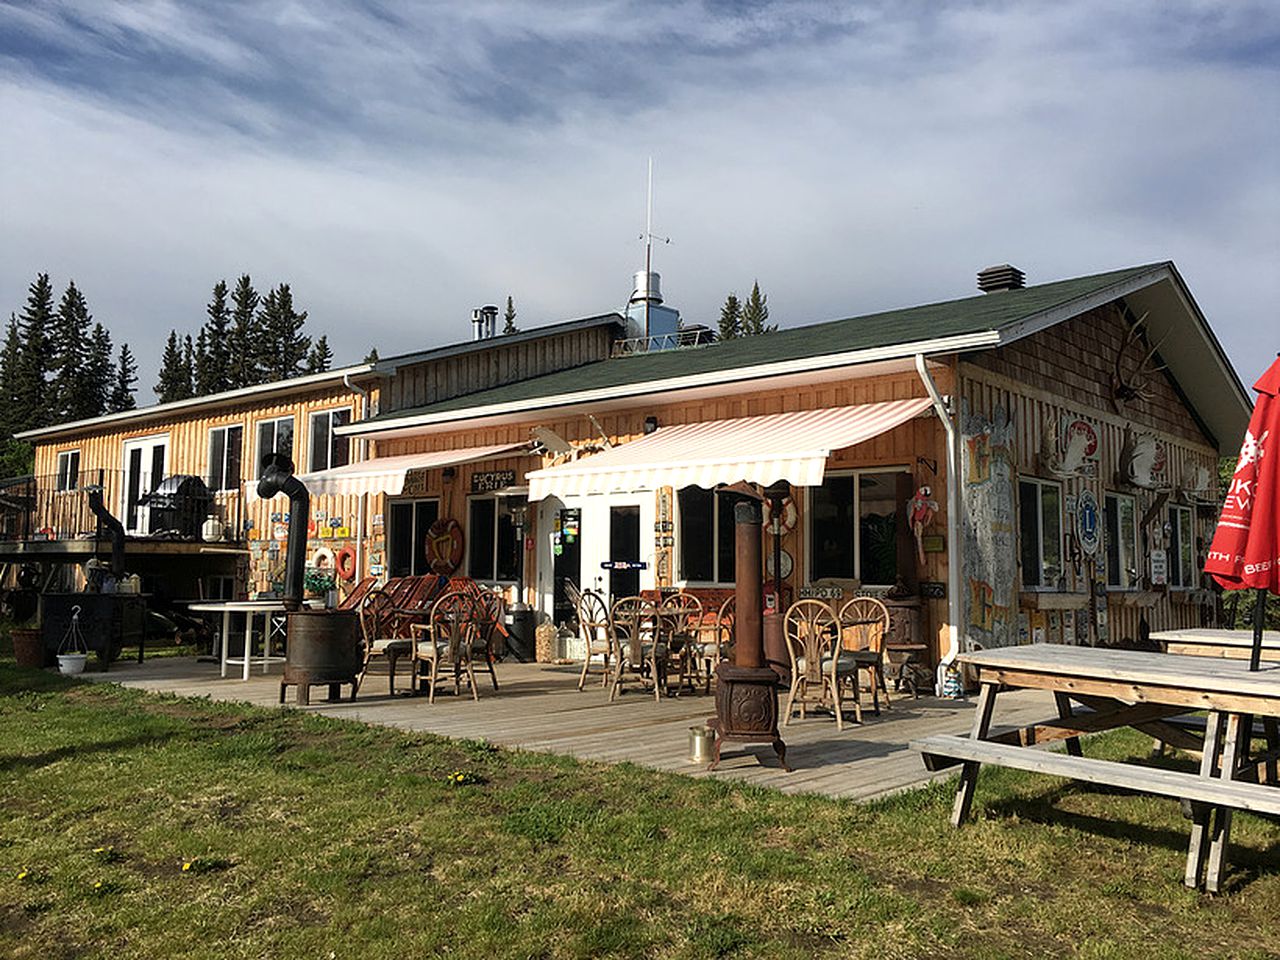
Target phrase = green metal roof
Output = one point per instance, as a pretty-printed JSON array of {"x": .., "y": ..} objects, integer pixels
[{"x": 986, "y": 312}]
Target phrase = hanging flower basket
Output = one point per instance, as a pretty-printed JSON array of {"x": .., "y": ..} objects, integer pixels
[{"x": 73, "y": 653}]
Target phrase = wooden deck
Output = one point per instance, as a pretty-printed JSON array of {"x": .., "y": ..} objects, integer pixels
[{"x": 540, "y": 708}]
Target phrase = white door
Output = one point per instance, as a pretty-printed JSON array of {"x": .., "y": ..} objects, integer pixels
[
  {"x": 145, "y": 465},
  {"x": 618, "y": 531}
]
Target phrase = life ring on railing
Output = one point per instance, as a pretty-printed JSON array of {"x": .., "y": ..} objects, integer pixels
[
  {"x": 346, "y": 563},
  {"x": 322, "y": 558},
  {"x": 444, "y": 546},
  {"x": 783, "y": 525}
]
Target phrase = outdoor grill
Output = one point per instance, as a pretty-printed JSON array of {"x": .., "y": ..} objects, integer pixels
[
  {"x": 322, "y": 647},
  {"x": 178, "y": 505}
]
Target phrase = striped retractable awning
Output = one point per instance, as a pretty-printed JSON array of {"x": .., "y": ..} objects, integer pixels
[{"x": 783, "y": 446}]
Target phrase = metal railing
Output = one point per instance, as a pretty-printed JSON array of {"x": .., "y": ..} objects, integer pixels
[{"x": 680, "y": 340}]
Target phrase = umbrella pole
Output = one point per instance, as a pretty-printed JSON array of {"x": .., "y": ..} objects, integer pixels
[{"x": 1259, "y": 618}]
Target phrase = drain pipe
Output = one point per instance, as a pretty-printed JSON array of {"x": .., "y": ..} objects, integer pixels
[
  {"x": 363, "y": 394},
  {"x": 955, "y": 608}
]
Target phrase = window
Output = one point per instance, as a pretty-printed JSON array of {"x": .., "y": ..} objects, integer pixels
[
  {"x": 410, "y": 521},
  {"x": 853, "y": 527},
  {"x": 225, "y": 444},
  {"x": 706, "y": 536},
  {"x": 493, "y": 551},
  {"x": 69, "y": 470},
  {"x": 1120, "y": 520},
  {"x": 1182, "y": 549},
  {"x": 1040, "y": 529},
  {"x": 275, "y": 436},
  {"x": 327, "y": 448}
]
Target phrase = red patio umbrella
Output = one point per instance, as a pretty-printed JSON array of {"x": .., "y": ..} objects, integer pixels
[{"x": 1245, "y": 553}]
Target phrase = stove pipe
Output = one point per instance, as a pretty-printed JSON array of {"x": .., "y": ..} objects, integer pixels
[
  {"x": 114, "y": 527},
  {"x": 277, "y": 477}
]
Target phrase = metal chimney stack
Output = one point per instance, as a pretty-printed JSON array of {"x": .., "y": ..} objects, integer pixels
[{"x": 484, "y": 322}]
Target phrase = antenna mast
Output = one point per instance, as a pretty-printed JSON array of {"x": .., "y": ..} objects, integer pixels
[{"x": 648, "y": 246}]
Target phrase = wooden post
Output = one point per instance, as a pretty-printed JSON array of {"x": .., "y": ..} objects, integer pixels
[
  {"x": 1238, "y": 726},
  {"x": 1064, "y": 713},
  {"x": 969, "y": 775},
  {"x": 1199, "y": 813}
]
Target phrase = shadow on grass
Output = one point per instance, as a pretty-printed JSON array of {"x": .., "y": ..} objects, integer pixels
[{"x": 27, "y": 762}]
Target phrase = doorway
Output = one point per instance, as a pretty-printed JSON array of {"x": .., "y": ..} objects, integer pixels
[
  {"x": 624, "y": 548},
  {"x": 145, "y": 461},
  {"x": 566, "y": 562}
]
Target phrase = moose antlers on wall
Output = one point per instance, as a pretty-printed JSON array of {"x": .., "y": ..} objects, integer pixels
[{"x": 1134, "y": 369}]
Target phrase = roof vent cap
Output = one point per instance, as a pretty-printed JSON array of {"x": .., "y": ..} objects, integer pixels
[{"x": 1001, "y": 277}]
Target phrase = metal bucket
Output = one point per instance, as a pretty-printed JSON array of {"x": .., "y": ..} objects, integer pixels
[{"x": 702, "y": 741}]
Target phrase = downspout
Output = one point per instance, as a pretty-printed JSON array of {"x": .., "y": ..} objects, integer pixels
[
  {"x": 363, "y": 394},
  {"x": 955, "y": 609}
]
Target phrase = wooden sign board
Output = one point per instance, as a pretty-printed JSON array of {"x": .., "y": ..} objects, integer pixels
[{"x": 487, "y": 481}]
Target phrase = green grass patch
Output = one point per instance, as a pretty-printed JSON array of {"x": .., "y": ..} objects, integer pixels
[{"x": 137, "y": 825}]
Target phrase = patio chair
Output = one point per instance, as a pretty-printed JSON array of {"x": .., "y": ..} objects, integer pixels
[
  {"x": 639, "y": 655},
  {"x": 715, "y": 640},
  {"x": 355, "y": 596},
  {"x": 448, "y": 639},
  {"x": 810, "y": 629},
  {"x": 596, "y": 630},
  {"x": 375, "y": 620},
  {"x": 679, "y": 627},
  {"x": 863, "y": 624},
  {"x": 491, "y": 633}
]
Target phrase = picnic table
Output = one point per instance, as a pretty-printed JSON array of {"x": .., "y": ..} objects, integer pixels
[
  {"x": 1207, "y": 642},
  {"x": 1096, "y": 690}
]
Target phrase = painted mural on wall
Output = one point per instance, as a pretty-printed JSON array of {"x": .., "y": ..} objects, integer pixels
[{"x": 990, "y": 548}]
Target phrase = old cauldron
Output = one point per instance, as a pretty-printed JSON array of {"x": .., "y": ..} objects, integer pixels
[{"x": 321, "y": 646}]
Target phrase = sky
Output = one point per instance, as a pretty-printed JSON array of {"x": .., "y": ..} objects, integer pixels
[{"x": 401, "y": 164}]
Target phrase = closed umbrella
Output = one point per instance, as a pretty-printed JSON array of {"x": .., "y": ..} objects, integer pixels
[{"x": 1245, "y": 553}]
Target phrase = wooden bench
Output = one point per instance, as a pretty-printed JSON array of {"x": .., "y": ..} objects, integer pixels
[{"x": 942, "y": 751}]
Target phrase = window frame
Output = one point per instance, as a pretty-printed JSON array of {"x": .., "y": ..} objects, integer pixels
[
  {"x": 1177, "y": 511},
  {"x": 856, "y": 473},
  {"x": 417, "y": 535},
  {"x": 495, "y": 496},
  {"x": 1108, "y": 497},
  {"x": 718, "y": 581},
  {"x": 1040, "y": 483},
  {"x": 275, "y": 436},
  {"x": 73, "y": 483},
  {"x": 330, "y": 413},
  {"x": 226, "y": 447}
]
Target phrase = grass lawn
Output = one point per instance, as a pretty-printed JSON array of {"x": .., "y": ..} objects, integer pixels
[{"x": 134, "y": 825}]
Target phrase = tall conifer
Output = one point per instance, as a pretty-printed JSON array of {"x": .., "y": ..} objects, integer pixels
[
  {"x": 217, "y": 346},
  {"x": 282, "y": 329},
  {"x": 69, "y": 394},
  {"x": 320, "y": 357},
  {"x": 245, "y": 338},
  {"x": 175, "y": 375},
  {"x": 97, "y": 374},
  {"x": 122, "y": 387},
  {"x": 731, "y": 318},
  {"x": 509, "y": 318},
  {"x": 34, "y": 326},
  {"x": 755, "y": 314}
]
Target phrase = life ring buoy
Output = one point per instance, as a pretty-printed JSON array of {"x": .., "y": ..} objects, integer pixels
[
  {"x": 444, "y": 546},
  {"x": 322, "y": 558},
  {"x": 780, "y": 526},
  {"x": 346, "y": 563}
]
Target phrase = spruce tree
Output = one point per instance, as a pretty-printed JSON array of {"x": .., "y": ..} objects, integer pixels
[
  {"x": 244, "y": 337},
  {"x": 10, "y": 362},
  {"x": 755, "y": 313},
  {"x": 201, "y": 375},
  {"x": 32, "y": 388},
  {"x": 122, "y": 389},
  {"x": 217, "y": 344},
  {"x": 509, "y": 317},
  {"x": 282, "y": 330},
  {"x": 97, "y": 374},
  {"x": 371, "y": 356},
  {"x": 175, "y": 374},
  {"x": 320, "y": 357},
  {"x": 69, "y": 397},
  {"x": 188, "y": 367},
  {"x": 731, "y": 318}
]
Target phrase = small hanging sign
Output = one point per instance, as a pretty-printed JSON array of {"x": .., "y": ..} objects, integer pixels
[
  {"x": 1087, "y": 527},
  {"x": 624, "y": 565},
  {"x": 487, "y": 481}
]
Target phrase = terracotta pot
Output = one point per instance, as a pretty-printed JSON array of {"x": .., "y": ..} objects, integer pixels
[{"x": 28, "y": 646}]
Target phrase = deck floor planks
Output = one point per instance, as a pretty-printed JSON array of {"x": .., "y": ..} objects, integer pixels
[{"x": 540, "y": 709}]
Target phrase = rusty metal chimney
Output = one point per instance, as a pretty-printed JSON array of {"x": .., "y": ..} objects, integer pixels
[
  {"x": 277, "y": 477},
  {"x": 1003, "y": 276}
]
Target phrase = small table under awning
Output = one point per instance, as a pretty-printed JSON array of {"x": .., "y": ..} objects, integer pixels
[{"x": 764, "y": 449}]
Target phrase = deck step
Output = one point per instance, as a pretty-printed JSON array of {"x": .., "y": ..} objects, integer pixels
[{"x": 943, "y": 750}]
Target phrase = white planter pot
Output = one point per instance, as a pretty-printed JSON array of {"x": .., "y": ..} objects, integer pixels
[{"x": 70, "y": 664}]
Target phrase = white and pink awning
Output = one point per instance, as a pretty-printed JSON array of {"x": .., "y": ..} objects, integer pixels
[{"x": 782, "y": 446}]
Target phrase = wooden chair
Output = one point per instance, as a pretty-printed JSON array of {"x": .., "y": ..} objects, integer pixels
[
  {"x": 448, "y": 638},
  {"x": 492, "y": 633},
  {"x": 715, "y": 640},
  {"x": 639, "y": 654},
  {"x": 375, "y": 620},
  {"x": 863, "y": 624},
  {"x": 596, "y": 630},
  {"x": 679, "y": 624},
  {"x": 355, "y": 597},
  {"x": 810, "y": 629}
]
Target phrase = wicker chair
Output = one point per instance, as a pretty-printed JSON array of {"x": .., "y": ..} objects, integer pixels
[
  {"x": 448, "y": 639},
  {"x": 863, "y": 624},
  {"x": 810, "y": 629},
  {"x": 492, "y": 633},
  {"x": 376, "y": 620},
  {"x": 679, "y": 627},
  {"x": 715, "y": 641},
  {"x": 597, "y": 632},
  {"x": 639, "y": 655}
]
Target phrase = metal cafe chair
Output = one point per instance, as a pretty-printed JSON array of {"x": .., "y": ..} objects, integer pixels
[
  {"x": 715, "y": 641},
  {"x": 596, "y": 630},
  {"x": 376, "y": 620},
  {"x": 863, "y": 625},
  {"x": 810, "y": 629},
  {"x": 448, "y": 639},
  {"x": 679, "y": 623},
  {"x": 639, "y": 654},
  {"x": 491, "y": 633}
]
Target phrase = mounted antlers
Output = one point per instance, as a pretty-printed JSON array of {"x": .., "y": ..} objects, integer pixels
[{"x": 1126, "y": 389}]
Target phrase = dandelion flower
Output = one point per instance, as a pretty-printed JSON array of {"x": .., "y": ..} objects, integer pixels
[
  {"x": 23, "y": 874},
  {"x": 186, "y": 865}
]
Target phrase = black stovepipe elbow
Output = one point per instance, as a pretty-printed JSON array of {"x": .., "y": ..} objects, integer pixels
[
  {"x": 114, "y": 527},
  {"x": 277, "y": 477}
]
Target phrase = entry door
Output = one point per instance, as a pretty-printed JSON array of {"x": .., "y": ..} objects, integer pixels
[
  {"x": 145, "y": 462},
  {"x": 566, "y": 561},
  {"x": 624, "y": 548}
]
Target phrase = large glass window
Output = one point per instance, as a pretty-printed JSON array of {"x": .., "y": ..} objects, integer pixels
[
  {"x": 1040, "y": 528},
  {"x": 706, "y": 536},
  {"x": 408, "y": 524},
  {"x": 1120, "y": 518},
  {"x": 275, "y": 436},
  {"x": 853, "y": 527},
  {"x": 1182, "y": 548},
  {"x": 225, "y": 445},
  {"x": 327, "y": 448},
  {"x": 69, "y": 470},
  {"x": 493, "y": 550}
]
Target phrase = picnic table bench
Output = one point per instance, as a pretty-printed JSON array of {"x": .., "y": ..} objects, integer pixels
[{"x": 1096, "y": 690}]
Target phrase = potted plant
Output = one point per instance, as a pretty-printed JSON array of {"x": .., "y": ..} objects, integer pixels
[
  {"x": 318, "y": 583},
  {"x": 28, "y": 644},
  {"x": 73, "y": 652}
]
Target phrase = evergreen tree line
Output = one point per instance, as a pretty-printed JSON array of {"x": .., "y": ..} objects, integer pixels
[
  {"x": 745, "y": 319},
  {"x": 246, "y": 339},
  {"x": 57, "y": 365}
]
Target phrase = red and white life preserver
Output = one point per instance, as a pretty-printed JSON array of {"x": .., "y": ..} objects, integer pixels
[
  {"x": 346, "y": 563},
  {"x": 786, "y": 523},
  {"x": 322, "y": 558},
  {"x": 444, "y": 546}
]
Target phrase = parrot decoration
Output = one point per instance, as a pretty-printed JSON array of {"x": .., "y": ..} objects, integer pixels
[{"x": 920, "y": 513}]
